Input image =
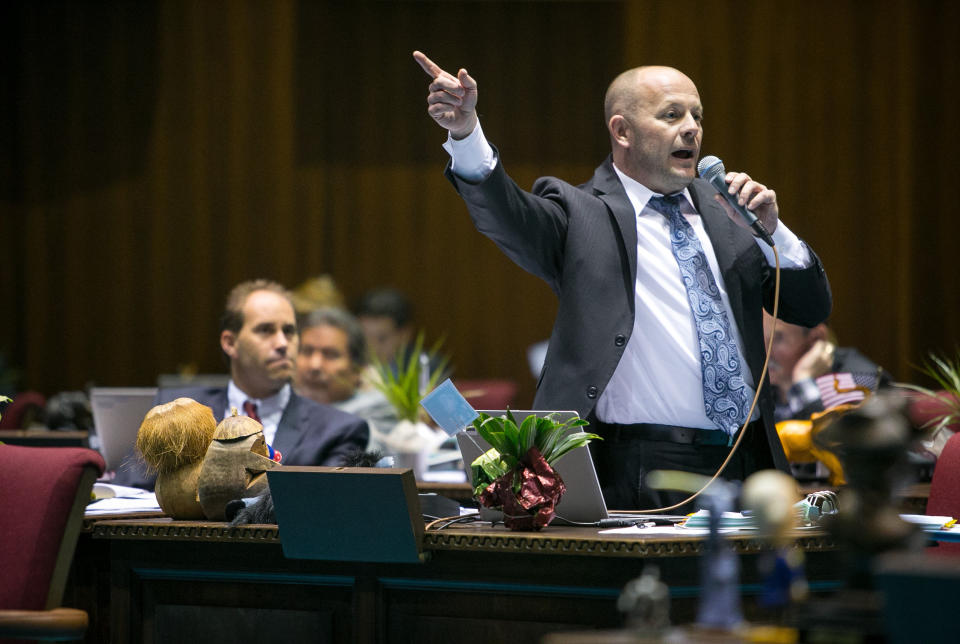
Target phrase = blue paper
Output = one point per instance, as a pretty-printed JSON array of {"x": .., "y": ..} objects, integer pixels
[{"x": 448, "y": 408}]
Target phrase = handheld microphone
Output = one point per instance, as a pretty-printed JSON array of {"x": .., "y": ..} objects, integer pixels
[{"x": 711, "y": 169}]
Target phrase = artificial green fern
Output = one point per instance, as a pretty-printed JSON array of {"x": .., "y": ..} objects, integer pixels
[{"x": 510, "y": 443}]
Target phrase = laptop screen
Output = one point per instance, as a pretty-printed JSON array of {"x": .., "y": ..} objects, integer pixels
[{"x": 117, "y": 415}]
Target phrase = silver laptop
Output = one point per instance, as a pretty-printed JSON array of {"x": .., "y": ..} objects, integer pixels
[
  {"x": 117, "y": 415},
  {"x": 583, "y": 500}
]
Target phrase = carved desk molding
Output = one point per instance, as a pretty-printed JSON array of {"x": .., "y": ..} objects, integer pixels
[{"x": 550, "y": 541}]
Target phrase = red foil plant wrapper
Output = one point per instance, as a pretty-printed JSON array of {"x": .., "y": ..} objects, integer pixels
[
  {"x": 534, "y": 506},
  {"x": 517, "y": 474}
]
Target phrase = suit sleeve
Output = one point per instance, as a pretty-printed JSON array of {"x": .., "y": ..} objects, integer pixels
[
  {"x": 805, "y": 296},
  {"x": 530, "y": 228},
  {"x": 351, "y": 439}
]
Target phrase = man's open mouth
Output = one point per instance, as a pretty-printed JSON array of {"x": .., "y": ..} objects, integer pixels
[{"x": 683, "y": 154}]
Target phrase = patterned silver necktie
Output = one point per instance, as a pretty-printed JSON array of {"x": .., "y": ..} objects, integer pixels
[{"x": 725, "y": 399}]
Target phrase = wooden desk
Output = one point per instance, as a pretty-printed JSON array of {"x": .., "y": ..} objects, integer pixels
[
  {"x": 43, "y": 437},
  {"x": 158, "y": 580},
  {"x": 456, "y": 491}
]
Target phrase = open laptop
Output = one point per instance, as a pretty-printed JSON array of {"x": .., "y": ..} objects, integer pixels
[
  {"x": 117, "y": 415},
  {"x": 582, "y": 503}
]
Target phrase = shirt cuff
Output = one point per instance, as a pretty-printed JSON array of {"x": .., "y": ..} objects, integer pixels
[
  {"x": 793, "y": 252},
  {"x": 471, "y": 158}
]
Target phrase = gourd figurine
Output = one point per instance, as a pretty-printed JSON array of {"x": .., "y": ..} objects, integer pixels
[{"x": 235, "y": 465}]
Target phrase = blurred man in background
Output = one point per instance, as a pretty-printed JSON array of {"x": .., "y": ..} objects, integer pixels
[{"x": 810, "y": 373}]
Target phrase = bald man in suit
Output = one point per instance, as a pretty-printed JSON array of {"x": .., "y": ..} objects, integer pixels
[{"x": 627, "y": 349}]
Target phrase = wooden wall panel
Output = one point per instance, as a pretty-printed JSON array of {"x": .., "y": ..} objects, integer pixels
[{"x": 154, "y": 154}]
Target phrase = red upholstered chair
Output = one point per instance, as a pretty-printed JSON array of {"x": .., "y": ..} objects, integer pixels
[
  {"x": 945, "y": 490},
  {"x": 26, "y": 405},
  {"x": 488, "y": 394},
  {"x": 925, "y": 409},
  {"x": 43, "y": 493}
]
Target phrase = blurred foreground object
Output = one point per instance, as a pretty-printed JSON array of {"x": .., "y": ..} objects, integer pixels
[
  {"x": 771, "y": 497},
  {"x": 720, "y": 568},
  {"x": 872, "y": 443},
  {"x": 645, "y": 603}
]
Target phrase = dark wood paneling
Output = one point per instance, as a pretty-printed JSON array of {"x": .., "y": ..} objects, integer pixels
[{"x": 155, "y": 154}]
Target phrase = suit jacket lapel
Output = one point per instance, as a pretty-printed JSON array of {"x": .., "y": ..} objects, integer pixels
[
  {"x": 718, "y": 226},
  {"x": 607, "y": 186},
  {"x": 288, "y": 430}
]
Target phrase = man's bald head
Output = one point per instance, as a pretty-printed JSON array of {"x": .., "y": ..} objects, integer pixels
[
  {"x": 632, "y": 86},
  {"x": 621, "y": 94}
]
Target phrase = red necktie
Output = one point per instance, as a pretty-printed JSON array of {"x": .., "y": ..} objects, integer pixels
[{"x": 250, "y": 409}]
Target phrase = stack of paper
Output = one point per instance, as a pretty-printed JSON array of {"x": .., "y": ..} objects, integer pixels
[
  {"x": 701, "y": 519},
  {"x": 118, "y": 499},
  {"x": 929, "y": 522}
]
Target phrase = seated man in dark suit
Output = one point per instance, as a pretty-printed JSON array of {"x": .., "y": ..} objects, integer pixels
[{"x": 258, "y": 334}]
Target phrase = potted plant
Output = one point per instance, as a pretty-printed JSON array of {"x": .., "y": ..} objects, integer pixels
[
  {"x": 404, "y": 383},
  {"x": 516, "y": 475}
]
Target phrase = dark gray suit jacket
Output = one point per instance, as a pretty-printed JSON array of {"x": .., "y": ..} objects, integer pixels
[
  {"x": 308, "y": 434},
  {"x": 583, "y": 242}
]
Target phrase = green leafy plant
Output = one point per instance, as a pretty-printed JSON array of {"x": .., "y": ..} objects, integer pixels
[
  {"x": 400, "y": 382},
  {"x": 511, "y": 443},
  {"x": 946, "y": 373}
]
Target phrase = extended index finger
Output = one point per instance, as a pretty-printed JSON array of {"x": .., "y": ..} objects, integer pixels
[{"x": 431, "y": 68}]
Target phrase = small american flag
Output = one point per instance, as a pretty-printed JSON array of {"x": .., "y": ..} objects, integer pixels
[{"x": 845, "y": 388}]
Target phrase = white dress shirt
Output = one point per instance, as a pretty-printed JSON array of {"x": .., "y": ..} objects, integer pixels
[
  {"x": 658, "y": 378},
  {"x": 269, "y": 409}
]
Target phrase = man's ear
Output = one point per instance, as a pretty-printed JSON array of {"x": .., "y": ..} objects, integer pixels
[
  {"x": 228, "y": 342},
  {"x": 619, "y": 129}
]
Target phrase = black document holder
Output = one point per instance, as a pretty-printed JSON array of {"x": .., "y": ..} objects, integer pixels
[{"x": 348, "y": 513}]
